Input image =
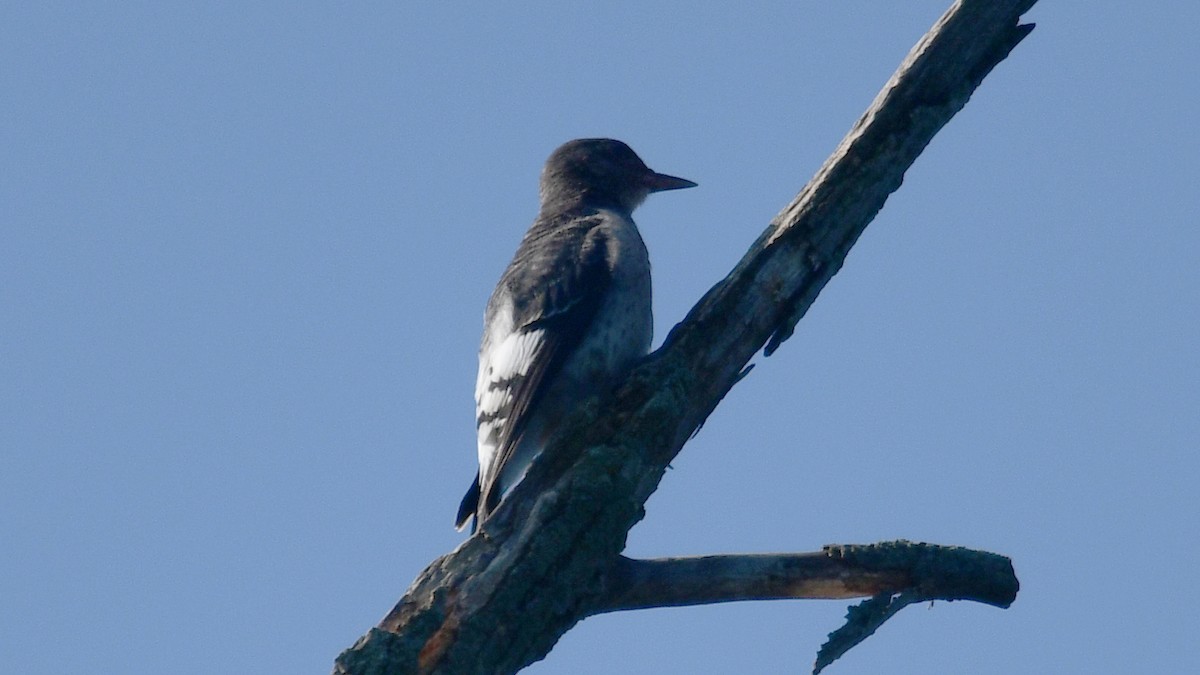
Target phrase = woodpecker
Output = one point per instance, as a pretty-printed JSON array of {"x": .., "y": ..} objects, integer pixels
[{"x": 570, "y": 315}]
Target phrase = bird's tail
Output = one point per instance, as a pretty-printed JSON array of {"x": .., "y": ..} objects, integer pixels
[{"x": 468, "y": 507}]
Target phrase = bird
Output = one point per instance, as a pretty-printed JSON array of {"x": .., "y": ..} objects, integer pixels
[{"x": 570, "y": 315}]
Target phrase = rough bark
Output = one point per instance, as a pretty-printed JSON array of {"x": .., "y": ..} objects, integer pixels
[
  {"x": 550, "y": 555},
  {"x": 933, "y": 572}
]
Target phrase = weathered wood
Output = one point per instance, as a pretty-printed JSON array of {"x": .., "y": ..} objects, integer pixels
[
  {"x": 931, "y": 572},
  {"x": 545, "y": 559}
]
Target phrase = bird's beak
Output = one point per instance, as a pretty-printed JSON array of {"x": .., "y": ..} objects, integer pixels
[{"x": 657, "y": 182}]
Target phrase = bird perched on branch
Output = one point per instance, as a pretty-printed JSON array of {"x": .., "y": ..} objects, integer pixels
[{"x": 571, "y": 314}]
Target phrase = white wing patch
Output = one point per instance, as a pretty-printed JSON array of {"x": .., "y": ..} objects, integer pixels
[{"x": 505, "y": 358}]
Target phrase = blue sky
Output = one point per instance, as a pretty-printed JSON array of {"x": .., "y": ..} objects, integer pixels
[{"x": 244, "y": 254}]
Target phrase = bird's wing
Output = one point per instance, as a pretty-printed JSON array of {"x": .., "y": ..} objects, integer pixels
[{"x": 541, "y": 310}]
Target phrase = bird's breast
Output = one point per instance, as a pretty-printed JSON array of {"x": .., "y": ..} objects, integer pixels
[{"x": 623, "y": 328}]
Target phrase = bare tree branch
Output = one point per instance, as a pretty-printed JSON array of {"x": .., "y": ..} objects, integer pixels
[
  {"x": 931, "y": 572},
  {"x": 678, "y": 582},
  {"x": 549, "y": 555}
]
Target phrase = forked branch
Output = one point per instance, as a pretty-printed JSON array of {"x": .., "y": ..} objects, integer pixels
[{"x": 550, "y": 554}]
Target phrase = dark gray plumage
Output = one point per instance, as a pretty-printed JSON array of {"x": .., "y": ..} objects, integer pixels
[{"x": 570, "y": 315}]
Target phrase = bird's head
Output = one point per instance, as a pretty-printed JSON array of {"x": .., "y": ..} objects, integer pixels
[{"x": 602, "y": 172}]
